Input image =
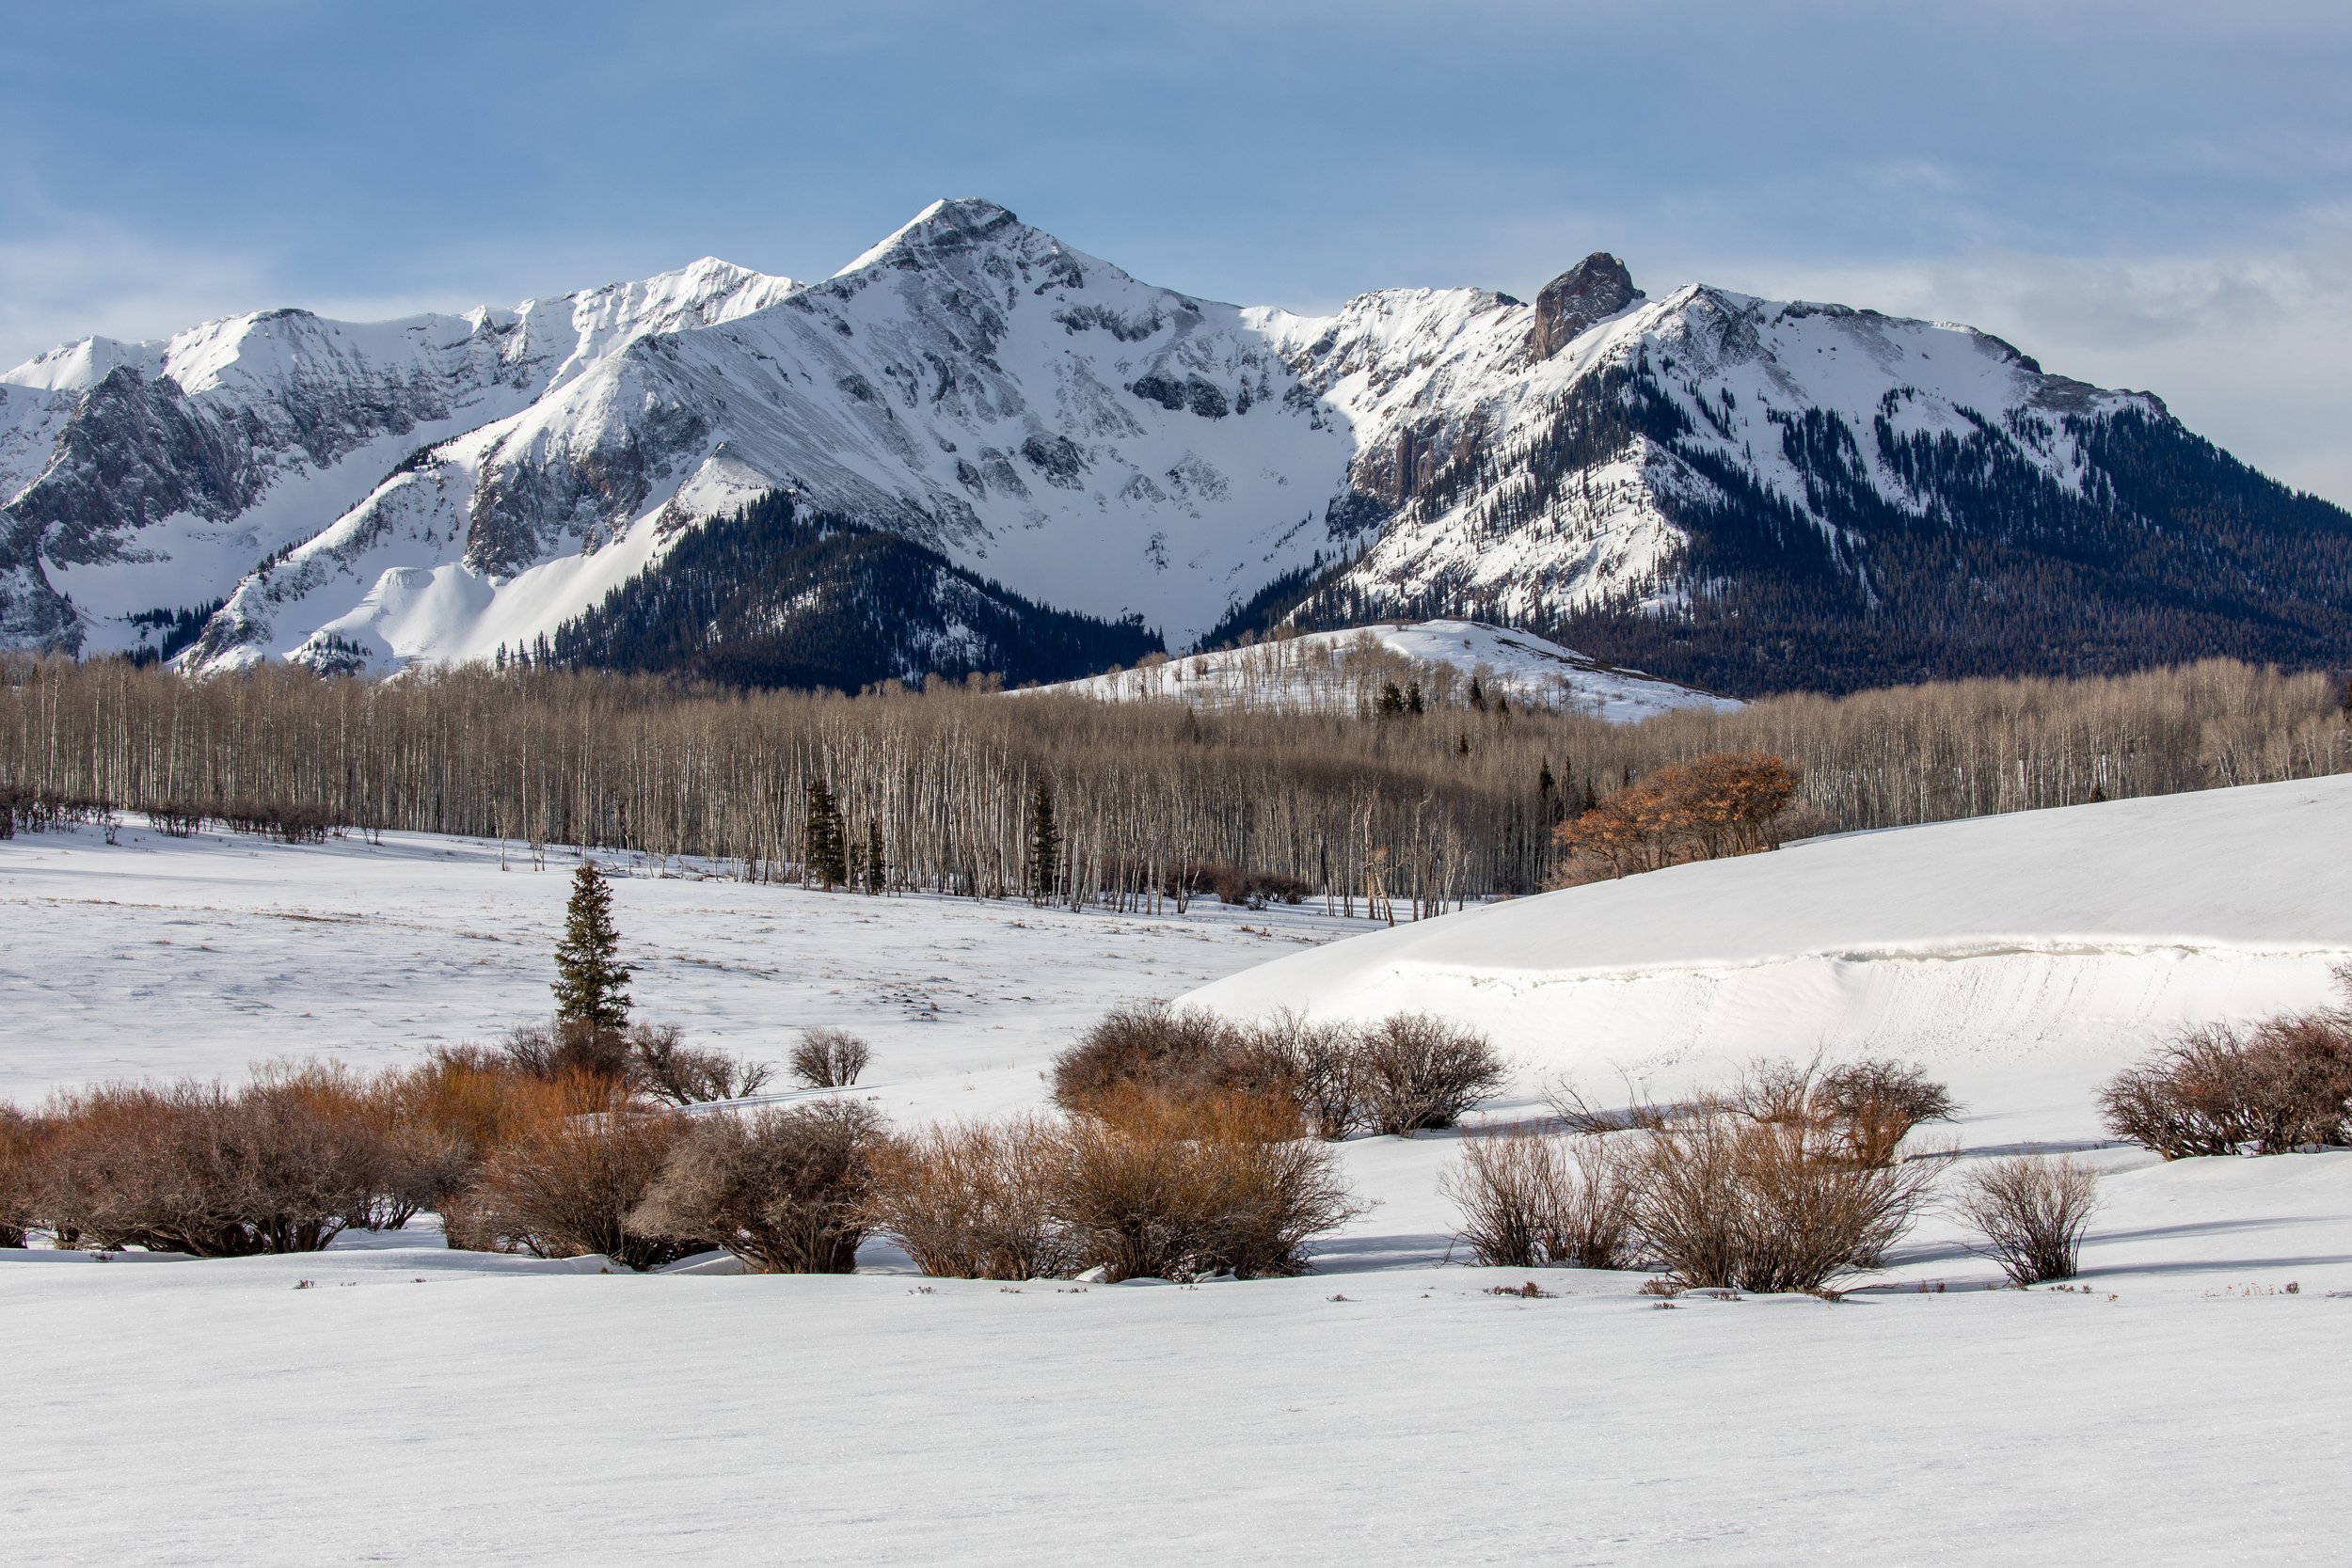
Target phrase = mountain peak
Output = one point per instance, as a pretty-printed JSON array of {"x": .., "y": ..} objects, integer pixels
[
  {"x": 945, "y": 227},
  {"x": 1594, "y": 290}
]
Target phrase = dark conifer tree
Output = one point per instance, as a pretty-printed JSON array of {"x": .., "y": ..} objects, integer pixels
[
  {"x": 875, "y": 871},
  {"x": 1391, "y": 700},
  {"x": 827, "y": 850},
  {"x": 1412, "y": 698},
  {"x": 592, "y": 983},
  {"x": 1044, "y": 843}
]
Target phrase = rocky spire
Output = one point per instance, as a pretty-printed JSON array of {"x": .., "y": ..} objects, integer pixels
[{"x": 1593, "y": 290}]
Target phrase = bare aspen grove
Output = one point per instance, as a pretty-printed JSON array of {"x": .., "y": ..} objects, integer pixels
[{"x": 1387, "y": 814}]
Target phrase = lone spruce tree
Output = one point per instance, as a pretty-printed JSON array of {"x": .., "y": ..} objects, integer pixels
[
  {"x": 591, "y": 982},
  {"x": 827, "y": 849},
  {"x": 1044, "y": 845}
]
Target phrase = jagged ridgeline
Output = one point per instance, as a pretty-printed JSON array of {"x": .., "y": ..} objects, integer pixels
[
  {"x": 777, "y": 596},
  {"x": 2165, "y": 549},
  {"x": 1745, "y": 493}
]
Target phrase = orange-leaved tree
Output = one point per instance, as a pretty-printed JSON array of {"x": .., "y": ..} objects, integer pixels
[{"x": 1723, "y": 803}]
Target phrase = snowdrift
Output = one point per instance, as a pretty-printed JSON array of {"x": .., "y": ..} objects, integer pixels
[{"x": 2027, "y": 956}]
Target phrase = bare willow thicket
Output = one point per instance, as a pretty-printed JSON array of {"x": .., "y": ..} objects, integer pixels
[{"x": 1403, "y": 814}]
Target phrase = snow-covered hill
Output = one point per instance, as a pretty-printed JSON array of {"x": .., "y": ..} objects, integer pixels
[
  {"x": 1762, "y": 493},
  {"x": 1349, "y": 670},
  {"x": 2026, "y": 957}
]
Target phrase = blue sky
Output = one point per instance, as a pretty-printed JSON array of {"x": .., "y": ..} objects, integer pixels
[{"x": 2151, "y": 194}]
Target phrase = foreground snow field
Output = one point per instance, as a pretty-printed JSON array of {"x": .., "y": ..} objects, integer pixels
[{"x": 2191, "y": 1404}]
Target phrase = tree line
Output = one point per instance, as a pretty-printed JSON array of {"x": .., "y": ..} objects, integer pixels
[{"x": 938, "y": 790}]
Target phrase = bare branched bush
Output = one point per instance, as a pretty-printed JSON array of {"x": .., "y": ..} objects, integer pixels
[
  {"x": 2031, "y": 1213},
  {"x": 651, "y": 1058},
  {"x": 1175, "y": 1188},
  {"x": 1166, "y": 1051},
  {"x": 1876, "y": 1102},
  {"x": 282, "y": 1167},
  {"x": 1419, "y": 1072},
  {"x": 1726, "y": 1199},
  {"x": 978, "y": 1200},
  {"x": 830, "y": 1058},
  {"x": 675, "y": 1073},
  {"x": 570, "y": 1045},
  {"x": 785, "y": 1190},
  {"x": 20, "y": 1153},
  {"x": 1579, "y": 1114},
  {"x": 562, "y": 1185},
  {"x": 2283, "y": 1085},
  {"x": 1532, "y": 1201},
  {"x": 1321, "y": 1064},
  {"x": 1860, "y": 1111}
]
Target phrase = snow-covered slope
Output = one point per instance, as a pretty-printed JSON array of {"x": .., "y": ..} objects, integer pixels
[
  {"x": 1821, "y": 493},
  {"x": 154, "y": 476},
  {"x": 1348, "y": 670},
  {"x": 2026, "y": 955}
]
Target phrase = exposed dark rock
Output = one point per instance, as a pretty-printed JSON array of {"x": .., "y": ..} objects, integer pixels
[
  {"x": 1594, "y": 290},
  {"x": 1057, "y": 457},
  {"x": 1196, "y": 392}
]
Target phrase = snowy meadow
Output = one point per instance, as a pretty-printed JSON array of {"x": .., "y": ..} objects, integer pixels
[{"x": 1394, "y": 1404}]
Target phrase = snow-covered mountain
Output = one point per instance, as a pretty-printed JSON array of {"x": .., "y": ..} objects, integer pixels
[
  {"x": 1722, "y": 488},
  {"x": 150, "y": 477},
  {"x": 1350, "y": 671}
]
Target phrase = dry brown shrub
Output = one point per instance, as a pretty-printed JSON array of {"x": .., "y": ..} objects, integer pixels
[
  {"x": 2283, "y": 1085},
  {"x": 21, "y": 1138},
  {"x": 1576, "y": 1114},
  {"x": 1167, "y": 1051},
  {"x": 675, "y": 1073},
  {"x": 1532, "y": 1201},
  {"x": 977, "y": 1200},
  {"x": 1323, "y": 1065},
  {"x": 785, "y": 1190},
  {"x": 2031, "y": 1212},
  {"x": 283, "y": 1167},
  {"x": 1876, "y": 1102},
  {"x": 1861, "y": 1112},
  {"x": 570, "y": 1045},
  {"x": 562, "y": 1184},
  {"x": 829, "y": 1058},
  {"x": 1158, "y": 1186},
  {"x": 1419, "y": 1072},
  {"x": 1728, "y": 1201}
]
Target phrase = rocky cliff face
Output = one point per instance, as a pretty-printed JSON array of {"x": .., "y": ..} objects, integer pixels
[{"x": 1711, "y": 477}]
